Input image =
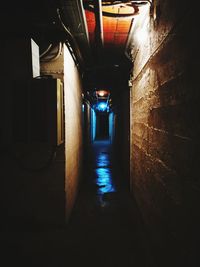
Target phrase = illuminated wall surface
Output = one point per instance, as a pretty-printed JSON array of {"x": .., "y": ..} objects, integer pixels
[
  {"x": 111, "y": 126},
  {"x": 164, "y": 157},
  {"x": 93, "y": 124},
  {"x": 73, "y": 128}
]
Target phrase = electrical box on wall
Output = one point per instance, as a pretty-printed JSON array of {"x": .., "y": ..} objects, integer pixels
[{"x": 38, "y": 114}]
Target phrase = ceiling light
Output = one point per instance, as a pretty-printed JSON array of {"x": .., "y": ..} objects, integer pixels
[{"x": 102, "y": 93}]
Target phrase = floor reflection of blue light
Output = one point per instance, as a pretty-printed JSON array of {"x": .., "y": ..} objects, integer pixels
[
  {"x": 102, "y": 160},
  {"x": 104, "y": 180},
  {"x": 103, "y": 172}
]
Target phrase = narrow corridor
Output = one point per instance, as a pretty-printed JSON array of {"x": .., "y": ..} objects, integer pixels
[
  {"x": 105, "y": 227},
  {"x": 74, "y": 72}
]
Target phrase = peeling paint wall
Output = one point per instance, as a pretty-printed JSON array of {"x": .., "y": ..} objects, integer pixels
[{"x": 165, "y": 128}]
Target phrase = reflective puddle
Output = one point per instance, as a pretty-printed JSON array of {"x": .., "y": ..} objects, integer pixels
[{"x": 103, "y": 172}]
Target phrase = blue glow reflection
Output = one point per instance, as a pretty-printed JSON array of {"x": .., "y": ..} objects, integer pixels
[
  {"x": 93, "y": 125},
  {"x": 102, "y": 160},
  {"x": 111, "y": 126},
  {"x": 104, "y": 180}
]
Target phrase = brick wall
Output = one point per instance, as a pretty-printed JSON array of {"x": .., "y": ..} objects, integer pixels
[{"x": 165, "y": 129}]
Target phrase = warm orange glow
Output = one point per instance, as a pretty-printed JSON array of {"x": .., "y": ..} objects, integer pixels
[
  {"x": 102, "y": 93},
  {"x": 90, "y": 17},
  {"x": 119, "y": 9},
  {"x": 115, "y": 29}
]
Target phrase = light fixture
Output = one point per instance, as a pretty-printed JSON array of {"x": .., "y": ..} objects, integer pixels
[
  {"x": 102, "y": 106},
  {"x": 102, "y": 93}
]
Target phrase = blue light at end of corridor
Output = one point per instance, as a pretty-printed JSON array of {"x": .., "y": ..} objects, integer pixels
[{"x": 102, "y": 106}]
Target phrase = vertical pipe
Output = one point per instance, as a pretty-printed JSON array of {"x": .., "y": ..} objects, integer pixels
[{"x": 99, "y": 24}]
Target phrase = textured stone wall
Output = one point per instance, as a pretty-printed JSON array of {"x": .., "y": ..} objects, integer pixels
[{"x": 165, "y": 129}]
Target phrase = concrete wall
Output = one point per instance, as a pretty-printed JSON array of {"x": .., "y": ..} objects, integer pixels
[
  {"x": 65, "y": 69},
  {"x": 73, "y": 129},
  {"x": 165, "y": 130}
]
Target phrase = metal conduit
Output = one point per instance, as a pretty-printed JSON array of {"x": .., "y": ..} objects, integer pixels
[{"x": 99, "y": 23}]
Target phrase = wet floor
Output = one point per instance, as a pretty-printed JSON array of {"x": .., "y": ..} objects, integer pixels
[{"x": 105, "y": 228}]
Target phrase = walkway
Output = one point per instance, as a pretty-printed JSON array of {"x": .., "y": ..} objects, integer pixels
[{"x": 105, "y": 228}]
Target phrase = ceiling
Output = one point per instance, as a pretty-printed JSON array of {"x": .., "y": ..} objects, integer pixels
[
  {"x": 103, "y": 30},
  {"x": 97, "y": 31}
]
